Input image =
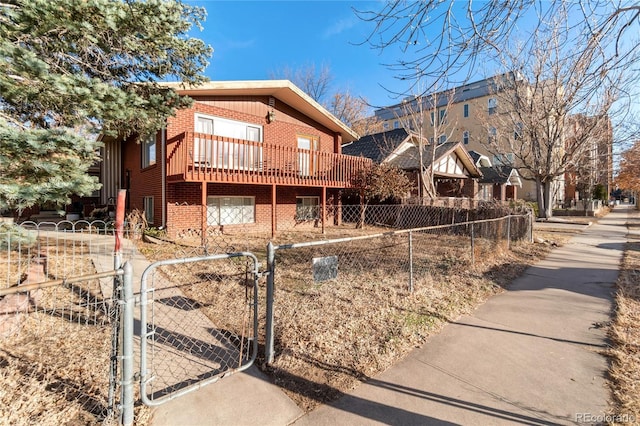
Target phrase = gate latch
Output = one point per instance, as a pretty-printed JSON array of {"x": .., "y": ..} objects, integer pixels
[{"x": 262, "y": 274}]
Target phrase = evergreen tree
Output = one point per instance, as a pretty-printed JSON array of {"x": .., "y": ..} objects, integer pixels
[{"x": 70, "y": 69}]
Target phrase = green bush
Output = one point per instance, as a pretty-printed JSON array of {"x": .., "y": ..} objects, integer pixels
[{"x": 600, "y": 193}]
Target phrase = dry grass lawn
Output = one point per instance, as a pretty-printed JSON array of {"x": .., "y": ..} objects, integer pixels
[
  {"x": 55, "y": 346},
  {"x": 625, "y": 337}
]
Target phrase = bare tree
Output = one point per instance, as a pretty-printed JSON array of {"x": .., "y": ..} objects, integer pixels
[
  {"x": 428, "y": 119},
  {"x": 550, "y": 79},
  {"x": 455, "y": 38},
  {"x": 353, "y": 111},
  {"x": 592, "y": 172},
  {"x": 367, "y": 125},
  {"x": 314, "y": 81}
]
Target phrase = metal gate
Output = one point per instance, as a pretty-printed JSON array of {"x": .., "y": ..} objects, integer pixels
[{"x": 198, "y": 323}]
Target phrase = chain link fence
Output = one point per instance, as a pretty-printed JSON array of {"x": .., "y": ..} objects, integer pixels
[
  {"x": 400, "y": 256},
  {"x": 60, "y": 312},
  {"x": 33, "y": 252},
  {"x": 399, "y": 261},
  {"x": 199, "y": 319},
  {"x": 346, "y": 308},
  {"x": 243, "y": 228},
  {"x": 59, "y": 321}
]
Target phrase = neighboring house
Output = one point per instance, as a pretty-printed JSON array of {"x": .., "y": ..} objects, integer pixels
[
  {"x": 247, "y": 156},
  {"x": 454, "y": 171},
  {"x": 498, "y": 182},
  {"x": 458, "y": 114}
]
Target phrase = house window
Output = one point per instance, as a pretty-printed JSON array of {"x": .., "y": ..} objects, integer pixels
[
  {"x": 385, "y": 126},
  {"x": 442, "y": 139},
  {"x": 147, "y": 205},
  {"x": 228, "y": 128},
  {"x": 225, "y": 154},
  {"x": 396, "y": 124},
  {"x": 230, "y": 210},
  {"x": 465, "y": 110},
  {"x": 432, "y": 118},
  {"x": 443, "y": 116},
  {"x": 493, "y": 135},
  {"x": 486, "y": 192},
  {"x": 517, "y": 132},
  {"x": 149, "y": 151},
  {"x": 307, "y": 208},
  {"x": 493, "y": 105},
  {"x": 465, "y": 137},
  {"x": 504, "y": 159}
]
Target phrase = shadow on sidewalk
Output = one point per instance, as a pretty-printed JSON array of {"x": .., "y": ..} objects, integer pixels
[
  {"x": 389, "y": 414},
  {"x": 522, "y": 333}
]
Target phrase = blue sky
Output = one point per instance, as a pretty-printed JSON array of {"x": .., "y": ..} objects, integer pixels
[{"x": 253, "y": 40}]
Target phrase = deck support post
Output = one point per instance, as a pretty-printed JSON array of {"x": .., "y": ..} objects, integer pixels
[
  {"x": 273, "y": 211},
  {"x": 204, "y": 214},
  {"x": 323, "y": 211}
]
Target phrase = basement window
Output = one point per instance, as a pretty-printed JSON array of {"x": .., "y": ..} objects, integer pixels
[{"x": 307, "y": 208}]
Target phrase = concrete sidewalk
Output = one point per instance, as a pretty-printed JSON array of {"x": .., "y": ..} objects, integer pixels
[{"x": 532, "y": 355}]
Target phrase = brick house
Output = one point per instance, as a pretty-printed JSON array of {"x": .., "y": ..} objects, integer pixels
[
  {"x": 454, "y": 171},
  {"x": 247, "y": 156},
  {"x": 499, "y": 182}
]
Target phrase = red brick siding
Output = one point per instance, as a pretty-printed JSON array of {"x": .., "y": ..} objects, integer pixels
[
  {"x": 184, "y": 210},
  {"x": 283, "y": 131}
]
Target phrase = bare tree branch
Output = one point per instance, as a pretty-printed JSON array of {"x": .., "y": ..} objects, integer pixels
[
  {"x": 448, "y": 41},
  {"x": 314, "y": 82}
]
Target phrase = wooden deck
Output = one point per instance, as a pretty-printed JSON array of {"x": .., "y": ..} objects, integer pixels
[{"x": 196, "y": 157}]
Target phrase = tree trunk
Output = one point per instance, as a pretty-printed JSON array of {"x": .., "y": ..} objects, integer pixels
[
  {"x": 363, "y": 209},
  {"x": 548, "y": 203},
  {"x": 428, "y": 186},
  {"x": 363, "y": 206},
  {"x": 540, "y": 198}
]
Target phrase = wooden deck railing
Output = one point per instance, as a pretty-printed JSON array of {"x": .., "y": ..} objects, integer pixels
[{"x": 197, "y": 157}]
